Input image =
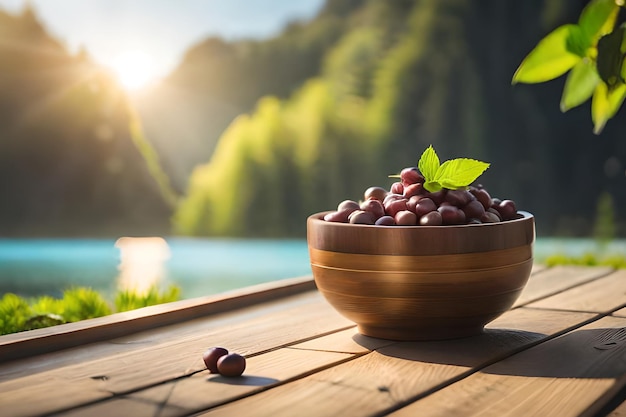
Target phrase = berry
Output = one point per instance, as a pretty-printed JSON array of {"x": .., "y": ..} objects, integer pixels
[
  {"x": 231, "y": 365},
  {"x": 211, "y": 357},
  {"x": 408, "y": 203}
]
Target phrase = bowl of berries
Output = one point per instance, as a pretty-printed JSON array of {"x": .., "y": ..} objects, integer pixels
[{"x": 434, "y": 257}]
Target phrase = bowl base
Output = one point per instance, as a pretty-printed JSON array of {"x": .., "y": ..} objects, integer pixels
[{"x": 419, "y": 334}]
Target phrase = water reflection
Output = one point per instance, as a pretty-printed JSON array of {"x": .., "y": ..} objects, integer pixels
[{"x": 142, "y": 263}]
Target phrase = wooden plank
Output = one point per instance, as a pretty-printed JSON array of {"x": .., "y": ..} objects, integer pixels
[
  {"x": 572, "y": 375},
  {"x": 554, "y": 280},
  {"x": 602, "y": 295},
  {"x": 620, "y": 411},
  {"x": 203, "y": 390},
  {"x": 347, "y": 341},
  {"x": 34, "y": 342},
  {"x": 125, "y": 407},
  {"x": 537, "y": 268},
  {"x": 153, "y": 337},
  {"x": 169, "y": 359},
  {"x": 396, "y": 373}
]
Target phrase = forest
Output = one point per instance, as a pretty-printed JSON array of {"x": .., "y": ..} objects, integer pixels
[{"x": 247, "y": 138}]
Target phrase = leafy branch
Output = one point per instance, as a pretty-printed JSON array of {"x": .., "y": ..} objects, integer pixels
[{"x": 593, "y": 51}]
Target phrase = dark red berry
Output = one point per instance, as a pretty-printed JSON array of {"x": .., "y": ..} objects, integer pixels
[
  {"x": 231, "y": 365},
  {"x": 211, "y": 356}
]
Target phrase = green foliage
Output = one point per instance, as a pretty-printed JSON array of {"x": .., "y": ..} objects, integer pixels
[
  {"x": 605, "y": 102},
  {"x": 130, "y": 300},
  {"x": 272, "y": 167},
  {"x": 594, "y": 51},
  {"x": 551, "y": 58},
  {"x": 350, "y": 65},
  {"x": 604, "y": 227},
  {"x": 306, "y": 119},
  {"x": 83, "y": 303},
  {"x": 587, "y": 259},
  {"x": 345, "y": 130},
  {"x": 14, "y": 312},
  {"x": 579, "y": 85},
  {"x": 452, "y": 174},
  {"x": 67, "y": 164},
  {"x": 18, "y": 314},
  {"x": 151, "y": 158}
]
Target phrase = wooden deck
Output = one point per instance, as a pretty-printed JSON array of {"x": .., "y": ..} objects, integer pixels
[{"x": 561, "y": 351}]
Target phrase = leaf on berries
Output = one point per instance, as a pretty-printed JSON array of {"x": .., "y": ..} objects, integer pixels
[
  {"x": 432, "y": 186},
  {"x": 459, "y": 173},
  {"x": 452, "y": 174},
  {"x": 428, "y": 163}
]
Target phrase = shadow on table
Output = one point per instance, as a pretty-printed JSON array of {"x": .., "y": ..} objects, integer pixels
[
  {"x": 595, "y": 353},
  {"x": 248, "y": 380}
]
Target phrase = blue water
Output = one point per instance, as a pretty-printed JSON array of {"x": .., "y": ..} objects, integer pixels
[
  {"x": 199, "y": 267},
  {"x": 31, "y": 267}
]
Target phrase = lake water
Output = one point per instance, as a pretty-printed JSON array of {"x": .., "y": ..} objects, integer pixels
[{"x": 31, "y": 267}]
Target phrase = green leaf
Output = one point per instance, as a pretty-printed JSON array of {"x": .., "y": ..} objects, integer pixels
[
  {"x": 611, "y": 57},
  {"x": 598, "y": 18},
  {"x": 550, "y": 59},
  {"x": 460, "y": 172},
  {"x": 578, "y": 42},
  {"x": 605, "y": 103},
  {"x": 428, "y": 163},
  {"x": 432, "y": 186},
  {"x": 580, "y": 84}
]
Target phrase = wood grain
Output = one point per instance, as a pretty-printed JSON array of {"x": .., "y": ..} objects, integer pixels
[
  {"x": 169, "y": 359},
  {"x": 203, "y": 390},
  {"x": 538, "y": 268},
  {"x": 188, "y": 330},
  {"x": 566, "y": 376},
  {"x": 553, "y": 356},
  {"x": 396, "y": 373},
  {"x": 152, "y": 337},
  {"x": 620, "y": 411},
  {"x": 601, "y": 295},
  {"x": 34, "y": 342},
  {"x": 554, "y": 280}
]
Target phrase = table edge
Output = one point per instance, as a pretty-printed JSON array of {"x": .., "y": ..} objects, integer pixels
[{"x": 34, "y": 342}]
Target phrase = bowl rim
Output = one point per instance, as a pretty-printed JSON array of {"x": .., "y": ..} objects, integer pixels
[
  {"x": 319, "y": 217},
  {"x": 419, "y": 240}
]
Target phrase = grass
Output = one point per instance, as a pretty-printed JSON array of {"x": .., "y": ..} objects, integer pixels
[
  {"x": 588, "y": 259},
  {"x": 19, "y": 314}
]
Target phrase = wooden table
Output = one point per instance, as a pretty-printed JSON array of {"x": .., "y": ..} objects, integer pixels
[{"x": 561, "y": 351}]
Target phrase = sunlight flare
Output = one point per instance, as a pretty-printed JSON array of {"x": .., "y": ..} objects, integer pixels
[
  {"x": 135, "y": 69},
  {"x": 142, "y": 263}
]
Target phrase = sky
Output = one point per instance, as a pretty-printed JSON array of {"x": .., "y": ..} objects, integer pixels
[{"x": 154, "y": 34}]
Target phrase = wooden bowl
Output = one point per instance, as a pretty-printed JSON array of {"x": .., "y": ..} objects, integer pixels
[{"x": 421, "y": 282}]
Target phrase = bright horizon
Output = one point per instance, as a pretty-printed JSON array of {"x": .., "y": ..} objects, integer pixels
[{"x": 144, "y": 40}]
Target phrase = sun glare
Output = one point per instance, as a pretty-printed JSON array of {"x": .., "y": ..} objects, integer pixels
[{"x": 134, "y": 69}]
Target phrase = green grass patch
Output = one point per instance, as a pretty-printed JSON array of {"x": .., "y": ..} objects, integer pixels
[
  {"x": 588, "y": 259},
  {"x": 18, "y": 314}
]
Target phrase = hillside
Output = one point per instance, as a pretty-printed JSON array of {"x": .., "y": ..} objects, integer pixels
[
  {"x": 68, "y": 166},
  {"x": 401, "y": 76},
  {"x": 218, "y": 80},
  {"x": 258, "y": 134}
]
